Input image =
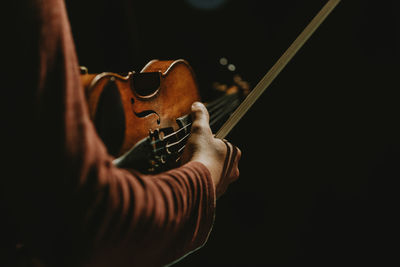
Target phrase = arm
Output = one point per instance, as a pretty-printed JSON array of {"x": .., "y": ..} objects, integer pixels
[{"x": 75, "y": 203}]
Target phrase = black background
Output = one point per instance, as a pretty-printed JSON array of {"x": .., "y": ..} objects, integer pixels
[{"x": 320, "y": 147}]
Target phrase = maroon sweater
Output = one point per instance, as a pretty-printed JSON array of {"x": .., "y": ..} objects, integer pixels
[{"x": 61, "y": 196}]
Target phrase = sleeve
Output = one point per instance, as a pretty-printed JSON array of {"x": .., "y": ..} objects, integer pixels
[{"x": 75, "y": 204}]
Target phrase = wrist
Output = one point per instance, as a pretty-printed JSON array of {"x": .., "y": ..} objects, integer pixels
[{"x": 212, "y": 167}]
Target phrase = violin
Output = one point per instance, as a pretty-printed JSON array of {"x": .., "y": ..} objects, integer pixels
[{"x": 142, "y": 117}]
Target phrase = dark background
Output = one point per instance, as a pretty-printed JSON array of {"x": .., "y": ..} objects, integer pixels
[{"x": 320, "y": 147}]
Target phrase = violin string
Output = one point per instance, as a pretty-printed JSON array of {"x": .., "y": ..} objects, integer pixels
[
  {"x": 214, "y": 116},
  {"x": 215, "y": 119},
  {"x": 182, "y": 141},
  {"x": 227, "y": 108},
  {"x": 177, "y": 142},
  {"x": 217, "y": 110},
  {"x": 213, "y": 104},
  {"x": 218, "y": 116},
  {"x": 180, "y": 150},
  {"x": 218, "y": 103},
  {"x": 168, "y": 145},
  {"x": 173, "y": 134},
  {"x": 176, "y": 132}
]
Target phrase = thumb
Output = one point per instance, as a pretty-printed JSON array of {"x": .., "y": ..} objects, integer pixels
[{"x": 200, "y": 114}]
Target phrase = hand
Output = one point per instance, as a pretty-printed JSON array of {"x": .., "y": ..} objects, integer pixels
[{"x": 219, "y": 156}]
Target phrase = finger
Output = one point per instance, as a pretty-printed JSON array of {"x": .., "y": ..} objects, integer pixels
[
  {"x": 199, "y": 113},
  {"x": 225, "y": 168},
  {"x": 235, "y": 169},
  {"x": 231, "y": 165},
  {"x": 238, "y": 154}
]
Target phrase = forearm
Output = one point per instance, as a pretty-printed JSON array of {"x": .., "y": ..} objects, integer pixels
[
  {"x": 68, "y": 198},
  {"x": 150, "y": 220}
]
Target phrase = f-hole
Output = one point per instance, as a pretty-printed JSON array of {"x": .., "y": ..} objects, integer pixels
[{"x": 145, "y": 113}]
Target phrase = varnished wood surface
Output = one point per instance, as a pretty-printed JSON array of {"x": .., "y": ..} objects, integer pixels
[{"x": 178, "y": 90}]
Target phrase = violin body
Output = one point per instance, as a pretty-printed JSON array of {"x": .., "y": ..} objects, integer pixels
[
  {"x": 144, "y": 118},
  {"x": 127, "y": 109}
]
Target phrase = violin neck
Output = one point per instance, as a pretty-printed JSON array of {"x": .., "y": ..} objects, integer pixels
[{"x": 221, "y": 108}]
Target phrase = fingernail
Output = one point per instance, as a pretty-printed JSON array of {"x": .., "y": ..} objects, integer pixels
[{"x": 196, "y": 105}]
